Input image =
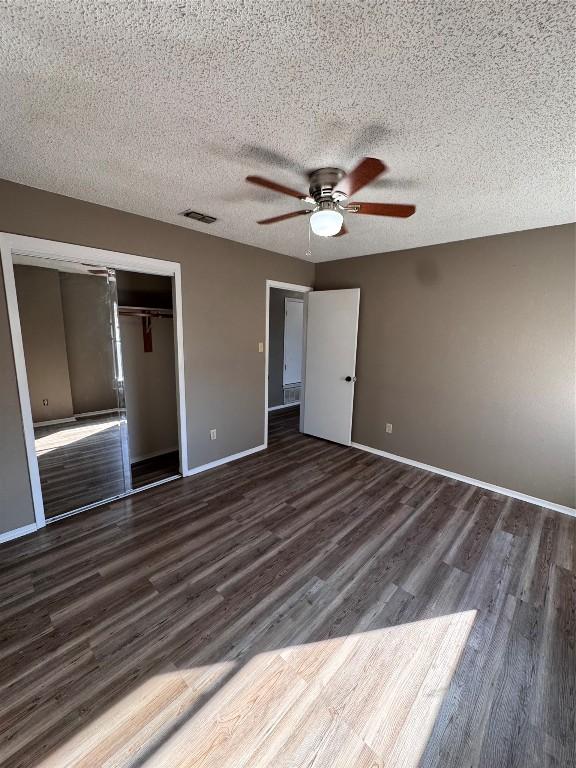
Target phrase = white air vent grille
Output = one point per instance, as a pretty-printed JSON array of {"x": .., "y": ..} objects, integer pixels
[{"x": 292, "y": 394}]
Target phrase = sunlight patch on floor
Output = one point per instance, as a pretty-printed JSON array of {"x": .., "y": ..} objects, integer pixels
[
  {"x": 140, "y": 721},
  {"x": 367, "y": 699},
  {"x": 71, "y": 435}
]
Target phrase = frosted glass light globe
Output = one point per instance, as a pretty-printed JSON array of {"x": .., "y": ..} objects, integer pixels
[{"x": 326, "y": 222}]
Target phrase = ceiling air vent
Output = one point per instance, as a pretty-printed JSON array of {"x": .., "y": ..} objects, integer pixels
[{"x": 202, "y": 217}]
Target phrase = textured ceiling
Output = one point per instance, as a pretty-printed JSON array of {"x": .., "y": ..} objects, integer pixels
[{"x": 154, "y": 107}]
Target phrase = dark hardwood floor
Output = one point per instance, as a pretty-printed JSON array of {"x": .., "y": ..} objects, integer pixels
[
  {"x": 311, "y": 605},
  {"x": 80, "y": 463},
  {"x": 157, "y": 468}
]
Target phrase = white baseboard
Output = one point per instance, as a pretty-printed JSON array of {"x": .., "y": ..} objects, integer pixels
[
  {"x": 281, "y": 407},
  {"x": 225, "y": 460},
  {"x": 469, "y": 480},
  {"x": 17, "y": 532},
  {"x": 76, "y": 416},
  {"x": 87, "y": 414},
  {"x": 54, "y": 421}
]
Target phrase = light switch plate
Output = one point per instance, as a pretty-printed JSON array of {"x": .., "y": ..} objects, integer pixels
[{"x": 260, "y": 346}]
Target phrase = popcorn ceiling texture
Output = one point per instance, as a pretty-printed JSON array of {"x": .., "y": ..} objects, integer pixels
[{"x": 155, "y": 107}]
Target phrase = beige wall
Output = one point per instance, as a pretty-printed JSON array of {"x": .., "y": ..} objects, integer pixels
[
  {"x": 65, "y": 320},
  {"x": 42, "y": 324},
  {"x": 16, "y": 508},
  {"x": 467, "y": 349},
  {"x": 150, "y": 385},
  {"x": 86, "y": 310},
  {"x": 224, "y": 299}
]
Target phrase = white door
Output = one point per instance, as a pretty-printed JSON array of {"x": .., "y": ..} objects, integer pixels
[
  {"x": 331, "y": 332},
  {"x": 293, "y": 331}
]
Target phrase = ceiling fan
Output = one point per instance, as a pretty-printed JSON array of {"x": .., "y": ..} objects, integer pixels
[{"x": 329, "y": 193}]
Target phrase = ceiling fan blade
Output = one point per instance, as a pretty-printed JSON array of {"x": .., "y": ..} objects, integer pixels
[
  {"x": 366, "y": 171},
  {"x": 343, "y": 231},
  {"x": 284, "y": 216},
  {"x": 261, "y": 182},
  {"x": 385, "y": 209}
]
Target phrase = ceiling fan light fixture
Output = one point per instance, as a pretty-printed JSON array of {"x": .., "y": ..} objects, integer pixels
[
  {"x": 326, "y": 221},
  {"x": 329, "y": 192}
]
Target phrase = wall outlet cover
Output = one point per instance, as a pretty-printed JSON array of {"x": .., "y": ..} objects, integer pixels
[{"x": 212, "y": 434}]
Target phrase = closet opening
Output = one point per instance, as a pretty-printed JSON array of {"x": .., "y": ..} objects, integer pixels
[
  {"x": 99, "y": 360},
  {"x": 146, "y": 317}
]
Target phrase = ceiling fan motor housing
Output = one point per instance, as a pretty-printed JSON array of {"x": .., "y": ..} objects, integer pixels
[
  {"x": 327, "y": 205},
  {"x": 322, "y": 183}
]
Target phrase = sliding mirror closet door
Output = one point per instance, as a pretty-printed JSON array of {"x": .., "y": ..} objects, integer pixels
[{"x": 70, "y": 332}]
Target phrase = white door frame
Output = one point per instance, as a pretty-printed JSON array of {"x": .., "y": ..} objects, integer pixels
[
  {"x": 283, "y": 287},
  {"x": 39, "y": 248}
]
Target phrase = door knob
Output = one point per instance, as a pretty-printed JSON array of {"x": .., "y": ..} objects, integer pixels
[{"x": 350, "y": 378}]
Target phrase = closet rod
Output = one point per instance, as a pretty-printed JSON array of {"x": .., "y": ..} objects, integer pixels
[{"x": 144, "y": 312}]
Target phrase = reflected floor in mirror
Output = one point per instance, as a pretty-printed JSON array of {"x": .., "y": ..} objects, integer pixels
[
  {"x": 80, "y": 462},
  {"x": 310, "y": 605}
]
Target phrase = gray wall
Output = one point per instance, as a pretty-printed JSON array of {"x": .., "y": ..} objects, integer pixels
[
  {"x": 468, "y": 350},
  {"x": 224, "y": 297},
  {"x": 86, "y": 309},
  {"x": 16, "y": 508},
  {"x": 276, "y": 345},
  {"x": 44, "y": 340},
  {"x": 65, "y": 320},
  {"x": 150, "y": 385}
]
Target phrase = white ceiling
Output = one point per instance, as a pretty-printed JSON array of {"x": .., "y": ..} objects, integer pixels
[{"x": 154, "y": 107}]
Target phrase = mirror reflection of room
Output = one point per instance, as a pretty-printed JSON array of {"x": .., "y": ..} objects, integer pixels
[
  {"x": 65, "y": 316},
  {"x": 91, "y": 365}
]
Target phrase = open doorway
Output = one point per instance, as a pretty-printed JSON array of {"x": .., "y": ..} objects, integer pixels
[
  {"x": 285, "y": 361},
  {"x": 311, "y": 336},
  {"x": 148, "y": 357}
]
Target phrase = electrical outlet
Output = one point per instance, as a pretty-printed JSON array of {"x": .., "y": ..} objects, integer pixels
[
  {"x": 389, "y": 428},
  {"x": 44, "y": 402},
  {"x": 260, "y": 346},
  {"x": 212, "y": 434}
]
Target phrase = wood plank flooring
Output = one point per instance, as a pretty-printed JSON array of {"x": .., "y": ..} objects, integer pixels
[
  {"x": 308, "y": 606},
  {"x": 80, "y": 463},
  {"x": 157, "y": 468}
]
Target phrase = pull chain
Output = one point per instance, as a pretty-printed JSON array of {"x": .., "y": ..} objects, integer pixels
[{"x": 308, "y": 253}]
